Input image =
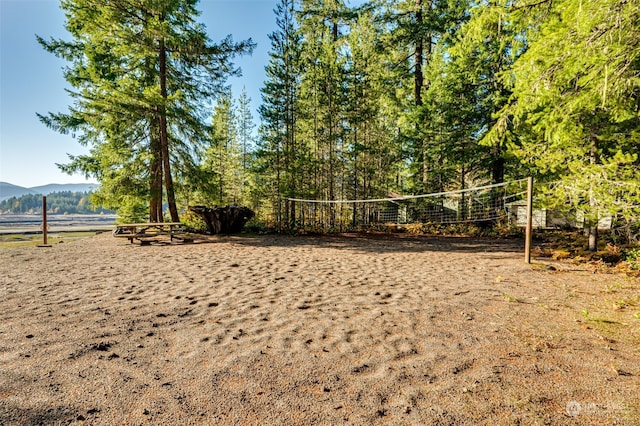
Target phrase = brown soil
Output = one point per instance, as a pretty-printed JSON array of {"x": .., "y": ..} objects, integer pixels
[{"x": 313, "y": 330}]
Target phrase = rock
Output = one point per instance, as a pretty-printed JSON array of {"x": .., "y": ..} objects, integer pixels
[{"x": 102, "y": 346}]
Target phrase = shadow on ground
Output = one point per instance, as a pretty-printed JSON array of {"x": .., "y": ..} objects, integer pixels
[{"x": 394, "y": 243}]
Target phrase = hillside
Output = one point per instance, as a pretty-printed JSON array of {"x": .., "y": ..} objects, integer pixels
[
  {"x": 8, "y": 190},
  {"x": 56, "y": 187}
]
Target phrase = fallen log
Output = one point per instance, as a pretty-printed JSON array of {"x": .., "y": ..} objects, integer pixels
[{"x": 224, "y": 220}]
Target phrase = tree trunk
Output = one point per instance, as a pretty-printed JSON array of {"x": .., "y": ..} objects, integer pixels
[
  {"x": 497, "y": 166},
  {"x": 155, "y": 168},
  {"x": 277, "y": 187},
  {"x": 164, "y": 138},
  {"x": 593, "y": 237},
  {"x": 419, "y": 58},
  {"x": 155, "y": 204},
  {"x": 463, "y": 199},
  {"x": 292, "y": 151},
  {"x": 221, "y": 170},
  {"x": 418, "y": 80},
  {"x": 593, "y": 223}
]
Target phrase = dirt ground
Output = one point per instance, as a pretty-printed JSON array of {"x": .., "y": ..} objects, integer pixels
[{"x": 313, "y": 330}]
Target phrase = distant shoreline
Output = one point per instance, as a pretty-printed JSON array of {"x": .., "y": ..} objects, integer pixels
[{"x": 32, "y": 223}]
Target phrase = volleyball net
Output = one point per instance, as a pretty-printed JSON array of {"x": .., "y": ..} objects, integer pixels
[{"x": 480, "y": 204}]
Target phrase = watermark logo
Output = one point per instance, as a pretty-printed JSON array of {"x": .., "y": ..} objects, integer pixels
[{"x": 575, "y": 408}]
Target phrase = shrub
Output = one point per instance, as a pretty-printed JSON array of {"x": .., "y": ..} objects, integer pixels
[
  {"x": 194, "y": 222},
  {"x": 632, "y": 256},
  {"x": 414, "y": 228}
]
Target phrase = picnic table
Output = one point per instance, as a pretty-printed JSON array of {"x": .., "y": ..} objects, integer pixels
[{"x": 147, "y": 232}]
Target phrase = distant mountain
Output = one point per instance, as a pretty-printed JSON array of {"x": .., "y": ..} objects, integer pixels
[
  {"x": 8, "y": 190},
  {"x": 56, "y": 187}
]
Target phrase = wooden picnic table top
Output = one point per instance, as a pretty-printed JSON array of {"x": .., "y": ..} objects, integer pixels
[{"x": 149, "y": 224}]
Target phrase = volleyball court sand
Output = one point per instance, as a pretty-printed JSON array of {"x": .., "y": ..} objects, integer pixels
[{"x": 310, "y": 330}]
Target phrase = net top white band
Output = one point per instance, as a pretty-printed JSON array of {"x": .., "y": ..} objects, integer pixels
[{"x": 407, "y": 197}]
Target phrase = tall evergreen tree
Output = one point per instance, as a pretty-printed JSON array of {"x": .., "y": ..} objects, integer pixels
[
  {"x": 486, "y": 49},
  {"x": 245, "y": 128},
  {"x": 278, "y": 150},
  {"x": 576, "y": 106},
  {"x": 141, "y": 72},
  {"x": 415, "y": 27},
  {"x": 323, "y": 93},
  {"x": 371, "y": 151},
  {"x": 224, "y": 155}
]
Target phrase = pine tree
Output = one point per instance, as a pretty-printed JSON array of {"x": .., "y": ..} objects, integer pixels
[
  {"x": 245, "y": 129},
  {"x": 323, "y": 25},
  {"x": 142, "y": 71},
  {"x": 278, "y": 150},
  {"x": 224, "y": 157},
  {"x": 415, "y": 27},
  {"x": 575, "y": 106},
  {"x": 371, "y": 152}
]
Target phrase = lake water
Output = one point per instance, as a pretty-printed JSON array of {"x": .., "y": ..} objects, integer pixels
[{"x": 22, "y": 224}]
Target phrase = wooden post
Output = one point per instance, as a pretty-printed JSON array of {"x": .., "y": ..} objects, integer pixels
[
  {"x": 44, "y": 223},
  {"x": 528, "y": 229}
]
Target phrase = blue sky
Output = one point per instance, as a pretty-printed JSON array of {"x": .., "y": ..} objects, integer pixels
[{"x": 31, "y": 80}]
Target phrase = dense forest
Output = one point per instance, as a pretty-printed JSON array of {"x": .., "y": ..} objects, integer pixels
[
  {"x": 62, "y": 202},
  {"x": 402, "y": 96}
]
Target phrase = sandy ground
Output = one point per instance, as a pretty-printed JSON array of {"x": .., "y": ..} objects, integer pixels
[{"x": 313, "y": 330}]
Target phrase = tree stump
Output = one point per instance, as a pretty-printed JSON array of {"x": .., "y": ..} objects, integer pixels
[{"x": 224, "y": 220}]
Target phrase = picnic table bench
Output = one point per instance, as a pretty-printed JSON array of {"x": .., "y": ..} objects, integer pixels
[{"x": 146, "y": 232}]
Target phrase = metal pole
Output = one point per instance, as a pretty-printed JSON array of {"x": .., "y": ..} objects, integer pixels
[{"x": 528, "y": 230}]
